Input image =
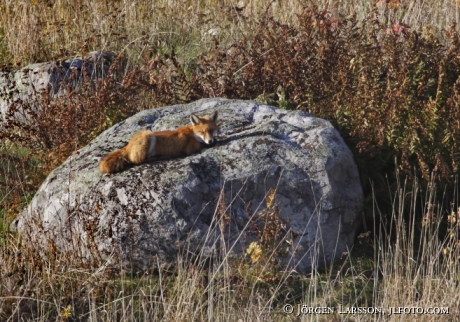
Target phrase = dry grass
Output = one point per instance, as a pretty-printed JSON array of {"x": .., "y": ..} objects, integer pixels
[
  {"x": 411, "y": 268},
  {"x": 390, "y": 89},
  {"x": 43, "y": 30}
]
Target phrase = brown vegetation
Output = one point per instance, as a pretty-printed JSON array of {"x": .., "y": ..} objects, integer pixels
[{"x": 385, "y": 76}]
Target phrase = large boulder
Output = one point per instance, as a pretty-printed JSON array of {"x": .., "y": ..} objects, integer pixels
[
  {"x": 24, "y": 87},
  {"x": 282, "y": 179}
]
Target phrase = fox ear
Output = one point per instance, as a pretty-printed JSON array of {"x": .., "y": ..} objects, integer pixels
[
  {"x": 194, "y": 119},
  {"x": 213, "y": 116}
]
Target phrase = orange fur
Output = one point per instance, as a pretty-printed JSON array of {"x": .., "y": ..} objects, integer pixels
[{"x": 147, "y": 145}]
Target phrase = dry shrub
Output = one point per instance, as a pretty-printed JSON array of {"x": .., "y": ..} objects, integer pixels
[
  {"x": 391, "y": 92},
  {"x": 57, "y": 125},
  {"x": 379, "y": 87}
]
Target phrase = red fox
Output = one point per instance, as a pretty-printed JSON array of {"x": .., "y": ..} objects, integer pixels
[{"x": 147, "y": 145}]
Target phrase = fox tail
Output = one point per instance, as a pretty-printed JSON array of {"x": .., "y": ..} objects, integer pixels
[{"x": 114, "y": 162}]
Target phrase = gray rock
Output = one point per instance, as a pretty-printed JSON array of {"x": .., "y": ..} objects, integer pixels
[
  {"x": 29, "y": 83},
  {"x": 213, "y": 203}
]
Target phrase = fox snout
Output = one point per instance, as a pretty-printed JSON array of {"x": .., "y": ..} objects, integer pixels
[{"x": 209, "y": 141}]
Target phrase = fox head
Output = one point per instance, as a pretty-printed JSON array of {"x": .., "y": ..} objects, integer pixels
[{"x": 204, "y": 127}]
